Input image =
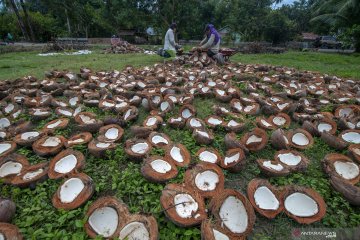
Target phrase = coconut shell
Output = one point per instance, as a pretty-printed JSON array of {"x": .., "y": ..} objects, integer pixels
[
  {"x": 214, "y": 121},
  {"x": 19, "y": 138},
  {"x": 314, "y": 195},
  {"x": 263, "y": 123},
  {"x": 353, "y": 140},
  {"x": 310, "y": 128},
  {"x": 163, "y": 142},
  {"x": 279, "y": 140},
  {"x": 212, "y": 157},
  {"x": 271, "y": 172},
  {"x": 100, "y": 151},
  {"x": 231, "y": 142},
  {"x": 193, "y": 123},
  {"x": 48, "y": 150},
  {"x": 191, "y": 175},
  {"x": 176, "y": 122},
  {"x": 7, "y": 210},
  {"x": 237, "y": 128},
  {"x": 203, "y": 137},
  {"x": 75, "y": 139},
  {"x": 187, "y": 111},
  {"x": 80, "y": 163},
  {"x": 207, "y": 231},
  {"x": 326, "y": 121},
  {"x": 130, "y": 114},
  {"x": 16, "y": 158},
  {"x": 152, "y": 175},
  {"x": 238, "y": 164},
  {"x": 167, "y": 203},
  {"x": 251, "y": 189},
  {"x": 255, "y": 146},
  {"x": 333, "y": 141},
  {"x": 133, "y": 155},
  {"x": 45, "y": 113},
  {"x": 103, "y": 130},
  {"x": 22, "y": 180},
  {"x": 7, "y": 148},
  {"x": 216, "y": 204},
  {"x": 62, "y": 125},
  {"x": 354, "y": 152},
  {"x": 186, "y": 157},
  {"x": 121, "y": 209},
  {"x": 153, "y": 122},
  {"x": 350, "y": 192},
  {"x": 140, "y": 132},
  {"x": 300, "y": 167},
  {"x": 10, "y": 232},
  {"x": 149, "y": 222}
]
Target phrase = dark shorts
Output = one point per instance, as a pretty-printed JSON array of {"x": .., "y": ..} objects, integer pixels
[{"x": 210, "y": 53}]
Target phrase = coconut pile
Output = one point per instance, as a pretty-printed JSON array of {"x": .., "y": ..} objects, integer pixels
[
  {"x": 123, "y": 47},
  {"x": 286, "y": 108}
]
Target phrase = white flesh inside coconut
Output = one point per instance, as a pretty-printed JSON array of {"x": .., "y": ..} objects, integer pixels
[
  {"x": 186, "y": 113},
  {"x": 220, "y": 236},
  {"x": 249, "y": 108},
  {"x": 134, "y": 231},
  {"x": 87, "y": 119},
  {"x": 102, "y": 145},
  {"x": 140, "y": 148},
  {"x": 175, "y": 153},
  {"x": 266, "y": 199},
  {"x": 71, "y": 189},
  {"x": 253, "y": 139},
  {"x": 55, "y": 124},
  {"x": 104, "y": 221},
  {"x": 214, "y": 121},
  {"x": 40, "y": 112},
  {"x": 345, "y": 112},
  {"x": 31, "y": 175},
  {"x": 207, "y": 156},
  {"x": 160, "y": 166},
  {"x": 65, "y": 164},
  {"x": 112, "y": 133},
  {"x": 164, "y": 106},
  {"x": 238, "y": 106},
  {"x": 195, "y": 123},
  {"x": 231, "y": 159},
  {"x": 4, "y": 123},
  {"x": 151, "y": 121},
  {"x": 202, "y": 133},
  {"x": 9, "y": 108},
  {"x": 159, "y": 139},
  {"x": 51, "y": 142},
  {"x": 79, "y": 140},
  {"x": 347, "y": 170},
  {"x": 127, "y": 114},
  {"x": 300, "y": 139},
  {"x": 207, "y": 180},
  {"x": 356, "y": 151},
  {"x": 185, "y": 205},
  {"x": 232, "y": 123},
  {"x": 4, "y": 147},
  {"x": 276, "y": 167},
  {"x": 301, "y": 205},
  {"x": 352, "y": 137},
  {"x": 279, "y": 121},
  {"x": 2, "y": 237},
  {"x": 324, "y": 127},
  {"x": 10, "y": 168},
  {"x": 29, "y": 135},
  {"x": 73, "y": 101},
  {"x": 2, "y": 134},
  {"x": 67, "y": 113},
  {"x": 289, "y": 159},
  {"x": 265, "y": 123},
  {"x": 233, "y": 214}
]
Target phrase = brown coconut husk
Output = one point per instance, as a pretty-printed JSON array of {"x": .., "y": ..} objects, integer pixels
[
  {"x": 160, "y": 140},
  {"x": 214, "y": 121},
  {"x": 10, "y": 231},
  {"x": 354, "y": 152},
  {"x": 279, "y": 140},
  {"x": 130, "y": 114},
  {"x": 333, "y": 141},
  {"x": 78, "y": 139},
  {"x": 186, "y": 157},
  {"x": 10, "y": 147},
  {"x": 350, "y": 192},
  {"x": 279, "y": 194},
  {"x": 103, "y": 130},
  {"x": 17, "y": 158},
  {"x": 23, "y": 140},
  {"x": 207, "y": 231},
  {"x": 234, "y": 126},
  {"x": 7, "y": 210},
  {"x": 255, "y": 146},
  {"x": 152, "y": 175},
  {"x": 326, "y": 121},
  {"x": 153, "y": 122},
  {"x": 41, "y": 150},
  {"x": 83, "y": 196},
  {"x": 263, "y": 123},
  {"x": 176, "y": 122},
  {"x": 231, "y": 142},
  {"x": 63, "y": 111},
  {"x": 149, "y": 222},
  {"x": 140, "y": 132},
  {"x": 282, "y": 116},
  {"x": 203, "y": 137},
  {"x": 167, "y": 203},
  {"x": 238, "y": 164},
  {"x": 93, "y": 125},
  {"x": 22, "y": 180},
  {"x": 191, "y": 176},
  {"x": 80, "y": 163},
  {"x": 100, "y": 151},
  {"x": 195, "y": 123},
  {"x": 133, "y": 155}
]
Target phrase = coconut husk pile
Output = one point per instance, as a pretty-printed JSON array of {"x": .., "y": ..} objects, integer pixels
[{"x": 123, "y": 47}]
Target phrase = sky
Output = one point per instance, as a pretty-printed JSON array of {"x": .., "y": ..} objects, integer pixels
[{"x": 283, "y": 2}]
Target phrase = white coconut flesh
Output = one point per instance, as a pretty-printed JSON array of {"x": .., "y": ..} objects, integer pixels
[
  {"x": 202, "y": 133},
  {"x": 356, "y": 151},
  {"x": 67, "y": 113},
  {"x": 112, "y": 133},
  {"x": 231, "y": 159},
  {"x": 185, "y": 205},
  {"x": 71, "y": 189},
  {"x": 29, "y": 135},
  {"x": 282, "y": 106},
  {"x": 134, "y": 231},
  {"x": 176, "y": 119},
  {"x": 127, "y": 114},
  {"x": 2, "y": 237},
  {"x": 324, "y": 127},
  {"x": 249, "y": 108},
  {"x": 345, "y": 112},
  {"x": 87, "y": 119},
  {"x": 253, "y": 139},
  {"x": 300, "y": 139},
  {"x": 214, "y": 121},
  {"x": 65, "y": 164},
  {"x": 175, "y": 153},
  {"x": 186, "y": 113},
  {"x": 40, "y": 112},
  {"x": 151, "y": 121},
  {"x": 195, "y": 123},
  {"x": 219, "y": 235},
  {"x": 207, "y": 180},
  {"x": 73, "y": 101},
  {"x": 232, "y": 123},
  {"x": 102, "y": 145},
  {"x": 51, "y": 142},
  {"x": 55, "y": 124},
  {"x": 266, "y": 199},
  {"x": 352, "y": 137},
  {"x": 233, "y": 215},
  {"x": 347, "y": 170},
  {"x": 266, "y": 124},
  {"x": 79, "y": 140},
  {"x": 301, "y": 205},
  {"x": 140, "y": 148},
  {"x": 238, "y": 106},
  {"x": 104, "y": 221},
  {"x": 279, "y": 121},
  {"x": 160, "y": 166},
  {"x": 4, "y": 123},
  {"x": 10, "y": 168},
  {"x": 9, "y": 108},
  {"x": 289, "y": 159},
  {"x": 2, "y": 134},
  {"x": 159, "y": 139},
  {"x": 33, "y": 174},
  {"x": 276, "y": 167},
  {"x": 164, "y": 106},
  {"x": 207, "y": 156}
]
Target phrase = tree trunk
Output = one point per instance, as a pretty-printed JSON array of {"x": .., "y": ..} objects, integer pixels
[
  {"x": 19, "y": 18},
  {"x": 68, "y": 21},
  {"x": 32, "y": 35}
]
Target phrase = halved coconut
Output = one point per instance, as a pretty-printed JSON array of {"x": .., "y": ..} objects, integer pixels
[
  {"x": 105, "y": 217},
  {"x": 203, "y": 136},
  {"x": 265, "y": 198},
  {"x": 11, "y": 166},
  {"x": 349, "y": 191},
  {"x": 231, "y": 142},
  {"x": 73, "y": 192},
  {"x": 333, "y": 141},
  {"x": 326, "y": 125},
  {"x": 176, "y": 122},
  {"x": 6, "y": 148},
  {"x": 110, "y": 133},
  {"x": 234, "y": 160},
  {"x": 272, "y": 168},
  {"x": 354, "y": 152},
  {"x": 166, "y": 106},
  {"x": 234, "y": 213},
  {"x": 292, "y": 159},
  {"x": 27, "y": 138},
  {"x": 48, "y": 145},
  {"x": 107, "y": 104},
  {"x": 137, "y": 149},
  {"x": 350, "y": 136},
  {"x": 98, "y": 149},
  {"x": 341, "y": 166},
  {"x": 153, "y": 122},
  {"x": 210, "y": 230},
  {"x": 56, "y": 124},
  {"x": 214, "y": 121},
  {"x": 234, "y": 126},
  {"x": 140, "y": 132},
  {"x": 9, "y": 232},
  {"x": 178, "y": 154},
  {"x": 183, "y": 205},
  {"x": 304, "y": 205},
  {"x": 346, "y": 111},
  {"x": 78, "y": 139},
  {"x": 300, "y": 139},
  {"x": 187, "y": 111},
  {"x": 281, "y": 120},
  {"x": 158, "y": 169},
  {"x": 236, "y": 105},
  {"x": 195, "y": 123},
  {"x": 40, "y": 113},
  {"x": 87, "y": 122},
  {"x": 139, "y": 227},
  {"x": 209, "y": 155},
  {"x": 20, "y": 127},
  {"x": 131, "y": 113},
  {"x": 4, "y": 123},
  {"x": 31, "y": 175},
  {"x": 264, "y": 123},
  {"x": 207, "y": 178},
  {"x": 7, "y": 210},
  {"x": 63, "y": 111},
  {"x": 255, "y": 140},
  {"x": 252, "y": 109},
  {"x": 66, "y": 162}
]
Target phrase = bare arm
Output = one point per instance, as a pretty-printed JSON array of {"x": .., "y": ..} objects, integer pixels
[
  {"x": 209, "y": 43},
  {"x": 202, "y": 41}
]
